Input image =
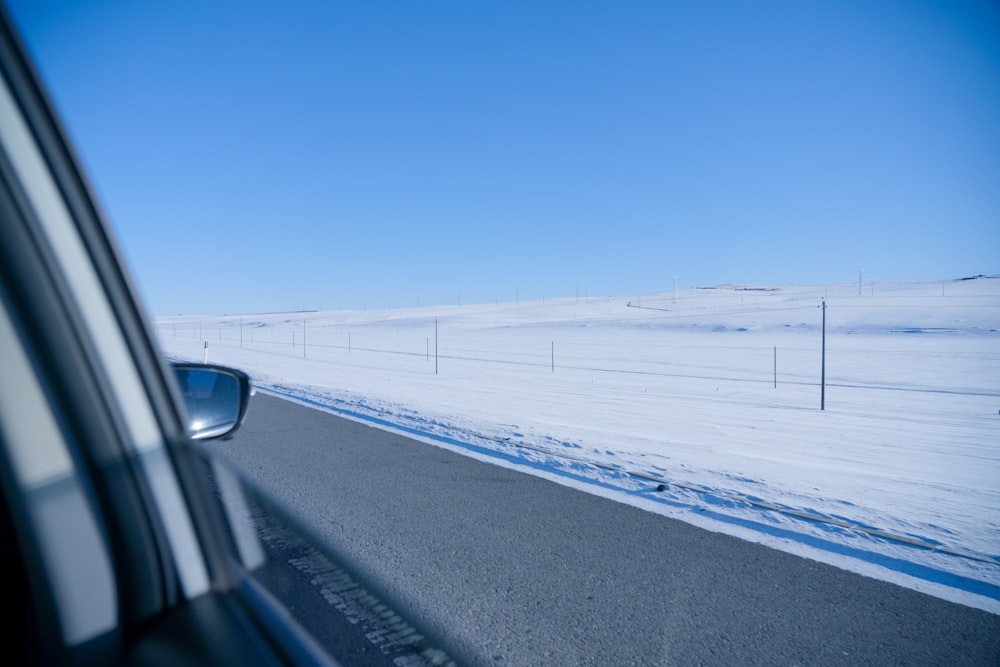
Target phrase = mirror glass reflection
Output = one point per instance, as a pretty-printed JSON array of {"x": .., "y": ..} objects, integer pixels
[{"x": 212, "y": 398}]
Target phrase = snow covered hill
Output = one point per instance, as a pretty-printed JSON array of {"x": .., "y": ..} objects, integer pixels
[{"x": 702, "y": 404}]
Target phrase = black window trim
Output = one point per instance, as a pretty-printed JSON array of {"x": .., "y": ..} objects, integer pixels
[{"x": 43, "y": 305}]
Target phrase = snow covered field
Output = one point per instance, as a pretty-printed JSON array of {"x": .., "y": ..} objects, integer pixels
[{"x": 703, "y": 405}]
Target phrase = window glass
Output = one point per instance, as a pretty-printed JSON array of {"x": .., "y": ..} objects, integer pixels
[{"x": 106, "y": 336}]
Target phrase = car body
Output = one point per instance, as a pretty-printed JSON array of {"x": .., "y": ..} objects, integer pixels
[{"x": 122, "y": 538}]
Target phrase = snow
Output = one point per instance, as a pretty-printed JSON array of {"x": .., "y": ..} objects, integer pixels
[{"x": 897, "y": 478}]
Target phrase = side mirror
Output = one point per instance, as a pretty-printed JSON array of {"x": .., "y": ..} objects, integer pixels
[{"x": 215, "y": 397}]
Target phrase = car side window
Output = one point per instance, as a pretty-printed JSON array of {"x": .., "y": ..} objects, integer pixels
[{"x": 100, "y": 328}]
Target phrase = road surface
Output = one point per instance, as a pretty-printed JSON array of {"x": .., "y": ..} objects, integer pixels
[{"x": 522, "y": 571}]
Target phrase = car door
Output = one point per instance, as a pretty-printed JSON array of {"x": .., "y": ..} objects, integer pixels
[
  {"x": 102, "y": 529},
  {"x": 124, "y": 542}
]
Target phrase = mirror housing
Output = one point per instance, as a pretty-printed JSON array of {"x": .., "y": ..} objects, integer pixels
[{"x": 215, "y": 399}]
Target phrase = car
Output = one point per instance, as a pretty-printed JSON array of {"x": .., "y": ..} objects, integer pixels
[{"x": 124, "y": 539}]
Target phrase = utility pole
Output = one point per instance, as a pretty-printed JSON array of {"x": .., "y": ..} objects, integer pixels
[
  {"x": 822, "y": 374},
  {"x": 435, "y": 346}
]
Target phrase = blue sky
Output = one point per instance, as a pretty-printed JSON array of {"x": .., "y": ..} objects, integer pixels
[{"x": 265, "y": 157}]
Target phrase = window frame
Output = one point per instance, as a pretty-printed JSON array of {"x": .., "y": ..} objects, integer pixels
[
  {"x": 157, "y": 611},
  {"x": 45, "y": 308}
]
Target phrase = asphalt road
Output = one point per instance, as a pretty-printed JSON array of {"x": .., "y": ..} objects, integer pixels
[{"x": 521, "y": 571}]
